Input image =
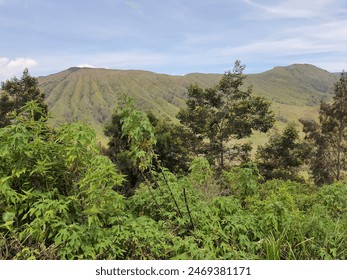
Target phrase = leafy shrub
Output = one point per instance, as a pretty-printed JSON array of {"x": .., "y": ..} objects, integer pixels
[{"x": 56, "y": 191}]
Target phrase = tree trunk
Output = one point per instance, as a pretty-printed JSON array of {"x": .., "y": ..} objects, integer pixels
[
  {"x": 338, "y": 164},
  {"x": 221, "y": 155}
]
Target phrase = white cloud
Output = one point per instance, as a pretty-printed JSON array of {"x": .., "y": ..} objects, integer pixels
[
  {"x": 279, "y": 47},
  {"x": 332, "y": 32},
  {"x": 85, "y": 65},
  {"x": 10, "y": 68},
  {"x": 293, "y": 8},
  {"x": 133, "y": 5}
]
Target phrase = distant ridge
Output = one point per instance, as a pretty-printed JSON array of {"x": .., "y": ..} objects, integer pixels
[
  {"x": 90, "y": 94},
  {"x": 297, "y": 84}
]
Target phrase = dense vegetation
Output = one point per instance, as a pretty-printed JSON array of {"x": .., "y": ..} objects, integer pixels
[{"x": 62, "y": 196}]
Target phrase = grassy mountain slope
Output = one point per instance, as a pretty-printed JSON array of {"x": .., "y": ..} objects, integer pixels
[
  {"x": 295, "y": 92},
  {"x": 298, "y": 84},
  {"x": 90, "y": 95}
]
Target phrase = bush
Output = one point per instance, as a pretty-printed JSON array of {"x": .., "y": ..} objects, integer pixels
[{"x": 56, "y": 191}]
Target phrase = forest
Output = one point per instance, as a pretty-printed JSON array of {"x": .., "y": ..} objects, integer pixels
[{"x": 191, "y": 190}]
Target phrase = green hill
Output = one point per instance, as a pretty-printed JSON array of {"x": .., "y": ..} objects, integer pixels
[
  {"x": 299, "y": 84},
  {"x": 90, "y": 95}
]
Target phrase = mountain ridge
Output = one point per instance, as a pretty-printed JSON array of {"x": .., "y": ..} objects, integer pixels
[{"x": 90, "y": 94}]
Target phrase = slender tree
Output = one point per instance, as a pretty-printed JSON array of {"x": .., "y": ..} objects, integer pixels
[
  {"x": 218, "y": 114},
  {"x": 329, "y": 137}
]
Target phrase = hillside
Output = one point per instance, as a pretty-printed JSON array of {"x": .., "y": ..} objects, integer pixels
[
  {"x": 298, "y": 84},
  {"x": 90, "y": 95}
]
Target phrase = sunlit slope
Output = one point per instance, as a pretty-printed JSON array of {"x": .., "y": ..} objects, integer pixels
[
  {"x": 295, "y": 91},
  {"x": 298, "y": 84},
  {"x": 90, "y": 95}
]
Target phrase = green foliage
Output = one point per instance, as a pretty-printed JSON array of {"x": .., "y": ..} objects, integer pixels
[
  {"x": 140, "y": 141},
  {"x": 326, "y": 223},
  {"x": 294, "y": 224},
  {"x": 145, "y": 238},
  {"x": 16, "y": 93},
  {"x": 334, "y": 198},
  {"x": 328, "y": 138},
  {"x": 283, "y": 156},
  {"x": 56, "y": 191},
  {"x": 132, "y": 141},
  {"x": 273, "y": 220},
  {"x": 242, "y": 182},
  {"x": 173, "y": 147},
  {"x": 139, "y": 133},
  {"x": 58, "y": 201},
  {"x": 223, "y": 112}
]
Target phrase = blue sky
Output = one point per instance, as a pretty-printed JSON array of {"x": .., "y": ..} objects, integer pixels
[{"x": 171, "y": 36}]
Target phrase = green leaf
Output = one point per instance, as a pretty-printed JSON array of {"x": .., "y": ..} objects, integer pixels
[
  {"x": 8, "y": 216},
  {"x": 19, "y": 172}
]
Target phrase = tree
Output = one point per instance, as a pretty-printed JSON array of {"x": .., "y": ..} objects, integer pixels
[
  {"x": 16, "y": 93},
  {"x": 131, "y": 145},
  {"x": 173, "y": 146},
  {"x": 166, "y": 143},
  {"x": 328, "y": 138},
  {"x": 283, "y": 156},
  {"x": 218, "y": 114}
]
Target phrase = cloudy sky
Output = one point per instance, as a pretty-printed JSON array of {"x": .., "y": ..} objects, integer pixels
[{"x": 171, "y": 36}]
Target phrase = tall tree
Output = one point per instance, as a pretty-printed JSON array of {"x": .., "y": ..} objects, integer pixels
[
  {"x": 329, "y": 137},
  {"x": 218, "y": 114},
  {"x": 16, "y": 93}
]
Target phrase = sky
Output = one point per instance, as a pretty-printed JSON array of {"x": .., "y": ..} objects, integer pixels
[{"x": 173, "y": 37}]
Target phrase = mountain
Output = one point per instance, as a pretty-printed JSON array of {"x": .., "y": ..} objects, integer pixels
[
  {"x": 296, "y": 84},
  {"x": 90, "y": 95}
]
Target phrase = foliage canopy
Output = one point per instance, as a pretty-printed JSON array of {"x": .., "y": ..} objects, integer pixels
[
  {"x": 16, "y": 93},
  {"x": 283, "y": 156},
  {"x": 218, "y": 114}
]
